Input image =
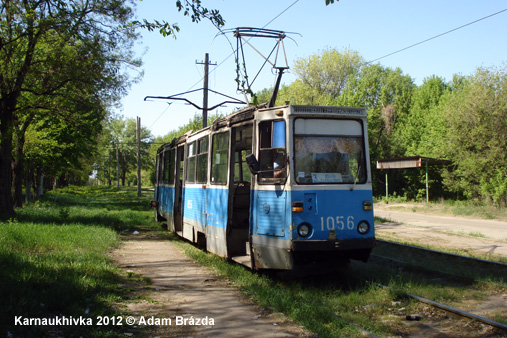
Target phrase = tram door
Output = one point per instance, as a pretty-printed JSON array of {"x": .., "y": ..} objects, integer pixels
[
  {"x": 238, "y": 229},
  {"x": 270, "y": 195},
  {"x": 178, "y": 188}
]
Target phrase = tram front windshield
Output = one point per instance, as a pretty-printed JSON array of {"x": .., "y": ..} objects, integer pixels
[{"x": 329, "y": 151}]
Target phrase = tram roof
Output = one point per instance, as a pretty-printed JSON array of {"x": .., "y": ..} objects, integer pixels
[{"x": 248, "y": 113}]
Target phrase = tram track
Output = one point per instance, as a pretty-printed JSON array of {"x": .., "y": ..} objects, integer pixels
[
  {"x": 416, "y": 255},
  {"x": 450, "y": 309}
]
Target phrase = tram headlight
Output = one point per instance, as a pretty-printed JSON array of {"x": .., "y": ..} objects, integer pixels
[
  {"x": 363, "y": 227},
  {"x": 304, "y": 230}
]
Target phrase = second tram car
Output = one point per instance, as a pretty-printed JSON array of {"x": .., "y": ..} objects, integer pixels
[{"x": 272, "y": 188}]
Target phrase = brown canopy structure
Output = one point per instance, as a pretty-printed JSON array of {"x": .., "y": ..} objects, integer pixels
[{"x": 410, "y": 162}]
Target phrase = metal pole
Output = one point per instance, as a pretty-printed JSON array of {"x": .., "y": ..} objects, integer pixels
[
  {"x": 117, "y": 166},
  {"x": 205, "y": 93},
  {"x": 138, "y": 138},
  {"x": 387, "y": 188},
  {"x": 427, "y": 185}
]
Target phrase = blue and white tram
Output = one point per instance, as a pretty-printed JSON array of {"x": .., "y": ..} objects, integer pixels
[{"x": 272, "y": 188}]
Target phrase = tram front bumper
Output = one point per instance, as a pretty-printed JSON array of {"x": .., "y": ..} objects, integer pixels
[
  {"x": 332, "y": 250},
  {"x": 333, "y": 245}
]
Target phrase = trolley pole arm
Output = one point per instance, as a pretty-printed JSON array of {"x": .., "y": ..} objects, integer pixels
[{"x": 277, "y": 85}]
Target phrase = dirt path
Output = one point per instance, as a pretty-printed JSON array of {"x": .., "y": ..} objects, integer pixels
[{"x": 183, "y": 290}]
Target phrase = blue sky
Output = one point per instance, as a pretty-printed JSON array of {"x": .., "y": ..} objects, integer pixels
[{"x": 373, "y": 28}]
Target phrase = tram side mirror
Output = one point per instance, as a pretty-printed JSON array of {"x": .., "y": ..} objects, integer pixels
[{"x": 253, "y": 164}]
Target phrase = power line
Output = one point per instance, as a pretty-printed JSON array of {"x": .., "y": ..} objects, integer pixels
[
  {"x": 437, "y": 36},
  {"x": 285, "y": 10},
  {"x": 169, "y": 104}
]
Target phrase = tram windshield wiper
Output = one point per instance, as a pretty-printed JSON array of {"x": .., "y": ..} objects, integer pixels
[{"x": 355, "y": 179}]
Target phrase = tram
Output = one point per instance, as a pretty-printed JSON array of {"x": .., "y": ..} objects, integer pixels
[{"x": 272, "y": 188}]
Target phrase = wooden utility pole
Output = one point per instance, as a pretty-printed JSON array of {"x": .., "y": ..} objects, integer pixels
[
  {"x": 205, "y": 92},
  {"x": 206, "y": 64}
]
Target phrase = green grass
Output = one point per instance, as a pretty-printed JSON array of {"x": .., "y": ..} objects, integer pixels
[
  {"x": 54, "y": 262},
  {"x": 53, "y": 259}
]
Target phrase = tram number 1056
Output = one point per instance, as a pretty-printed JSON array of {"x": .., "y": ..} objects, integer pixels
[{"x": 337, "y": 223}]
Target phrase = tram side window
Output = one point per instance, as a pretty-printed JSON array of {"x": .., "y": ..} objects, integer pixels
[
  {"x": 202, "y": 160},
  {"x": 167, "y": 158},
  {"x": 160, "y": 167},
  {"x": 219, "y": 158},
  {"x": 272, "y": 154},
  {"x": 171, "y": 166},
  {"x": 191, "y": 159}
]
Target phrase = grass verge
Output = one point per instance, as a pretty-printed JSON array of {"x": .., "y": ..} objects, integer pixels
[{"x": 54, "y": 263}]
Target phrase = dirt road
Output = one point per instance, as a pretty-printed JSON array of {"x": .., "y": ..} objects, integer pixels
[
  {"x": 185, "y": 291},
  {"x": 473, "y": 235}
]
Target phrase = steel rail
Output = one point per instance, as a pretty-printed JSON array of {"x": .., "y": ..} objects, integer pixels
[{"x": 451, "y": 309}]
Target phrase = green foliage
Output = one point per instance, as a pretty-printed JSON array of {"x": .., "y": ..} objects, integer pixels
[
  {"x": 62, "y": 67},
  {"x": 424, "y": 126},
  {"x": 53, "y": 259},
  {"x": 327, "y": 73},
  {"x": 495, "y": 187},
  {"x": 476, "y": 118},
  {"x": 120, "y": 134}
]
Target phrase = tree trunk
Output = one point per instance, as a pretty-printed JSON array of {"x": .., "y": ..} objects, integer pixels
[
  {"x": 19, "y": 160},
  {"x": 40, "y": 182},
  {"x": 19, "y": 170},
  {"x": 18, "y": 179},
  {"x": 29, "y": 182},
  {"x": 6, "y": 131}
]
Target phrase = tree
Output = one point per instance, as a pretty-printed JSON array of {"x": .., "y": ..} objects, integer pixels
[
  {"x": 476, "y": 138},
  {"x": 422, "y": 126},
  {"x": 192, "y": 9},
  {"x": 327, "y": 73},
  {"x": 120, "y": 134},
  {"x": 419, "y": 133},
  {"x": 43, "y": 46},
  {"x": 387, "y": 95}
]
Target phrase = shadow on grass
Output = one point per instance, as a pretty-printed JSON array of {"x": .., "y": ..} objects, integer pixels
[{"x": 42, "y": 288}]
